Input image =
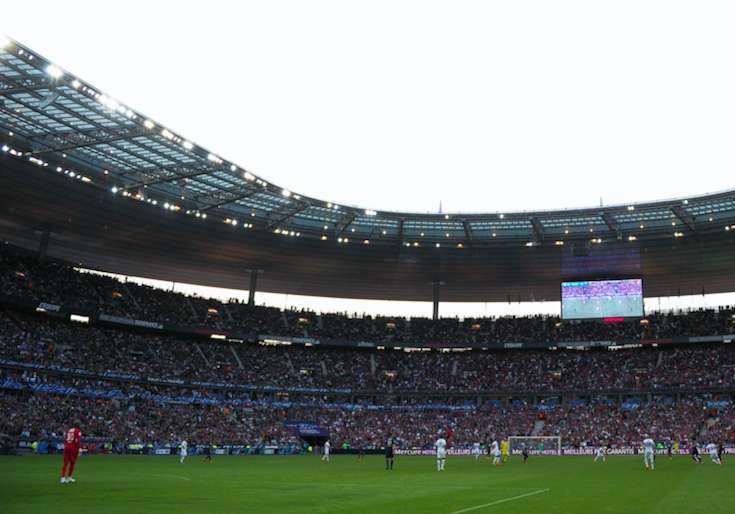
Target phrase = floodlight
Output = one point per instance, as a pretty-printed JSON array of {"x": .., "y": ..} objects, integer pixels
[{"x": 54, "y": 71}]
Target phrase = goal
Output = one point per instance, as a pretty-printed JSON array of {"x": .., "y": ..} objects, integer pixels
[{"x": 540, "y": 445}]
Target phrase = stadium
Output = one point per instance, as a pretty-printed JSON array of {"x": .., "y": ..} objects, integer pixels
[{"x": 188, "y": 403}]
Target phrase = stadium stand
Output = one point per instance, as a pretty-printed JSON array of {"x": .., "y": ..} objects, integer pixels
[{"x": 132, "y": 385}]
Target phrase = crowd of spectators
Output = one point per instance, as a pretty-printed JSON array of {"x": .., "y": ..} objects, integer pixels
[
  {"x": 139, "y": 386},
  {"x": 24, "y": 276},
  {"x": 44, "y": 341},
  {"x": 39, "y": 416}
]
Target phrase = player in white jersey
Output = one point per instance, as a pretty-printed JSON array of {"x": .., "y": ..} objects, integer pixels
[
  {"x": 648, "y": 457},
  {"x": 476, "y": 450},
  {"x": 495, "y": 452},
  {"x": 441, "y": 453},
  {"x": 327, "y": 448},
  {"x": 601, "y": 453},
  {"x": 183, "y": 451},
  {"x": 713, "y": 453}
]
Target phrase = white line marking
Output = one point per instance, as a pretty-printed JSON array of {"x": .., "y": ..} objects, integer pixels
[
  {"x": 165, "y": 475},
  {"x": 498, "y": 502}
]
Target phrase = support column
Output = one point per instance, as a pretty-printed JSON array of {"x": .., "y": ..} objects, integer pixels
[
  {"x": 436, "y": 285},
  {"x": 253, "y": 286},
  {"x": 43, "y": 245}
]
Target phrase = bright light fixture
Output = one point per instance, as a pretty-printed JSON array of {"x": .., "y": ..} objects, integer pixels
[
  {"x": 54, "y": 71},
  {"x": 148, "y": 124},
  {"x": 188, "y": 145}
]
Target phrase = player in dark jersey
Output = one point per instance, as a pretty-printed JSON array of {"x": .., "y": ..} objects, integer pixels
[
  {"x": 721, "y": 452},
  {"x": 389, "y": 453},
  {"x": 694, "y": 452},
  {"x": 670, "y": 448},
  {"x": 208, "y": 450},
  {"x": 361, "y": 453},
  {"x": 524, "y": 452}
]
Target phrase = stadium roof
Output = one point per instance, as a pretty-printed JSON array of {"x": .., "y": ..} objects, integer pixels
[
  {"x": 53, "y": 120},
  {"x": 60, "y": 121}
]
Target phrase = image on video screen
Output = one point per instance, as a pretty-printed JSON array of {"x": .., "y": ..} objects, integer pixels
[{"x": 602, "y": 299}]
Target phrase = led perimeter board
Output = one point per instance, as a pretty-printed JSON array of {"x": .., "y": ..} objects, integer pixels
[{"x": 602, "y": 299}]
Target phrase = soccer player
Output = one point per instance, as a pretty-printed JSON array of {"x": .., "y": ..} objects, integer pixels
[
  {"x": 648, "y": 456},
  {"x": 721, "y": 452},
  {"x": 389, "y": 453},
  {"x": 327, "y": 448},
  {"x": 183, "y": 446},
  {"x": 670, "y": 449},
  {"x": 694, "y": 452},
  {"x": 476, "y": 450},
  {"x": 524, "y": 452},
  {"x": 495, "y": 452},
  {"x": 601, "y": 453},
  {"x": 441, "y": 452},
  {"x": 72, "y": 445},
  {"x": 713, "y": 454},
  {"x": 504, "y": 447},
  {"x": 208, "y": 449}
]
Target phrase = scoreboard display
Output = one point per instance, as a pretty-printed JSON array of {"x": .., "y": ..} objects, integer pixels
[{"x": 601, "y": 299}]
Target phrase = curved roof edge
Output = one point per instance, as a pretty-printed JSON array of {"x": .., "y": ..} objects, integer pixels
[{"x": 59, "y": 122}]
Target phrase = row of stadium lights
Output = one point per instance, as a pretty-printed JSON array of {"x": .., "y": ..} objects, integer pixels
[
  {"x": 234, "y": 222},
  {"x": 57, "y": 73}
]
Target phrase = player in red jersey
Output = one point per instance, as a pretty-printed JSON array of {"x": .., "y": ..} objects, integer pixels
[{"x": 72, "y": 445}]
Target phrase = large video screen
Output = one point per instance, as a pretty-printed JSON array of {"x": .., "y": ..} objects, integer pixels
[{"x": 596, "y": 299}]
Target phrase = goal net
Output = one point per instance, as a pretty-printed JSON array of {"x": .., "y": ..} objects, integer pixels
[{"x": 538, "y": 445}]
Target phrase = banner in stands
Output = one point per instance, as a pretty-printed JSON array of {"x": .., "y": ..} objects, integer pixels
[
  {"x": 306, "y": 429},
  {"x": 626, "y": 450},
  {"x": 130, "y": 322},
  {"x": 48, "y": 307}
]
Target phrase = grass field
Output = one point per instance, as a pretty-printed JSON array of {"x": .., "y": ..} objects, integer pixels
[{"x": 303, "y": 484}]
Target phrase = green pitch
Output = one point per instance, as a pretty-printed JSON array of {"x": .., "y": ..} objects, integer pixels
[{"x": 303, "y": 484}]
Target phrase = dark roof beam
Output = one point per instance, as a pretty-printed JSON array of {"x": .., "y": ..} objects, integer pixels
[
  {"x": 538, "y": 230},
  {"x": 467, "y": 230},
  {"x": 24, "y": 85},
  {"x": 283, "y": 215},
  {"x": 224, "y": 201},
  {"x": 346, "y": 221},
  {"x": 684, "y": 217},
  {"x": 86, "y": 141}
]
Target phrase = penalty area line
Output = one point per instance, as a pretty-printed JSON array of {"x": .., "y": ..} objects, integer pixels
[{"x": 498, "y": 502}]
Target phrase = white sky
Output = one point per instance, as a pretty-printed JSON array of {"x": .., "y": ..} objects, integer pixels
[{"x": 485, "y": 106}]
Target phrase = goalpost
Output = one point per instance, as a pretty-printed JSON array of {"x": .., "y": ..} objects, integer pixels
[{"x": 543, "y": 445}]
